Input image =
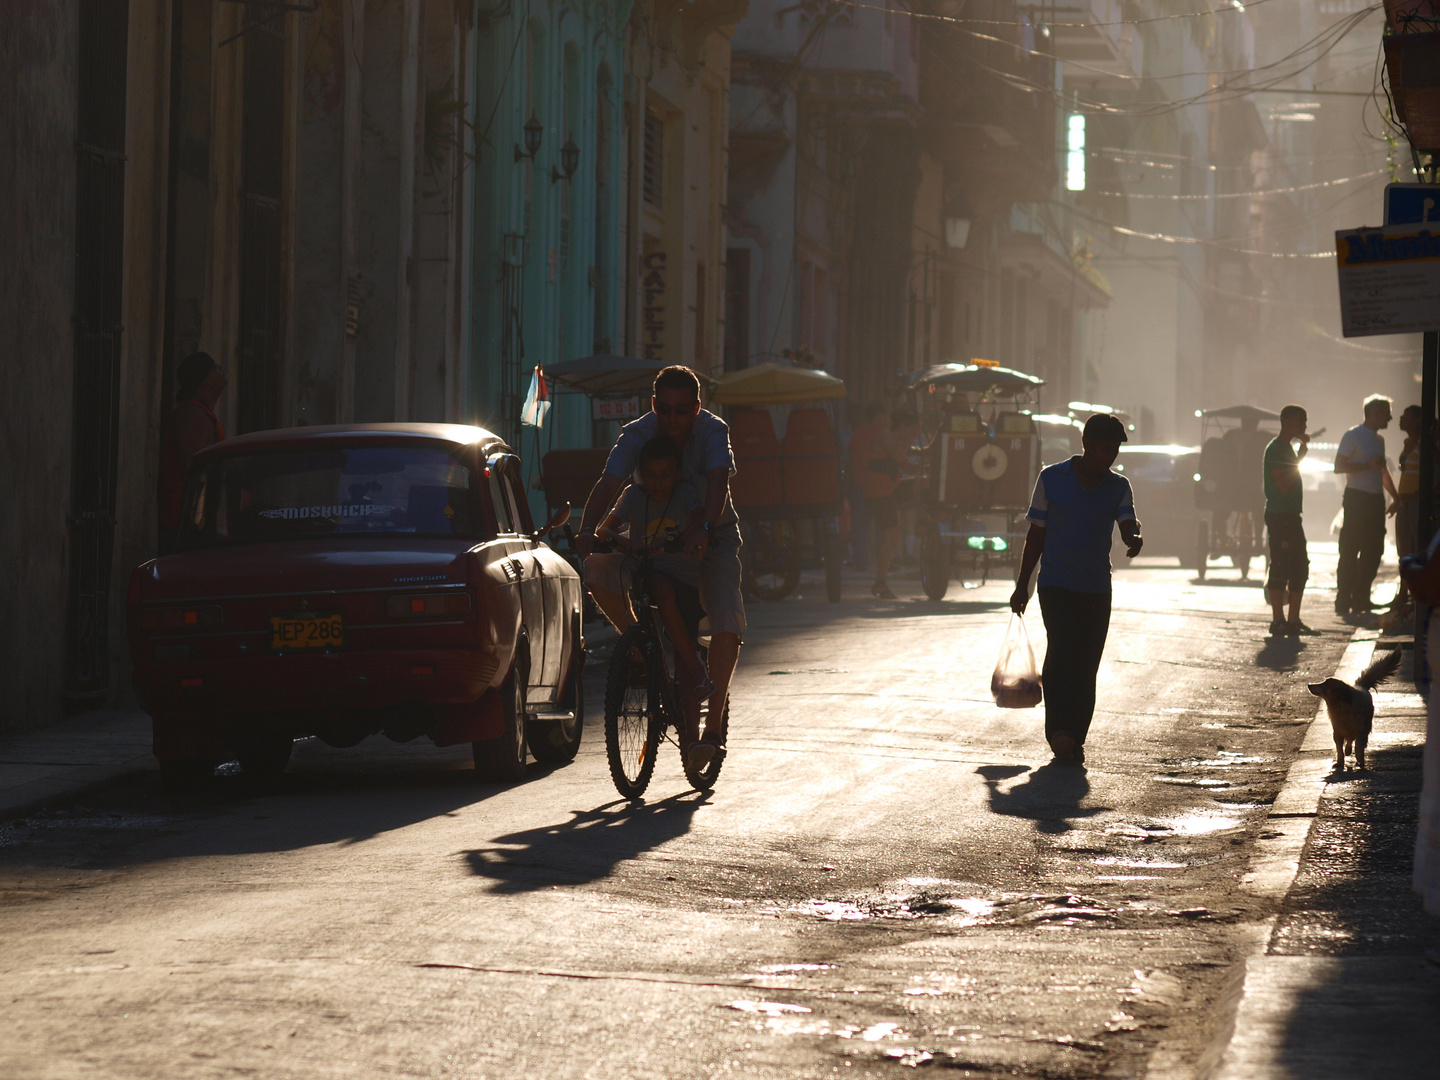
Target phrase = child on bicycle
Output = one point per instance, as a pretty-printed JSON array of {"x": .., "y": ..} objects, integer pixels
[{"x": 651, "y": 515}]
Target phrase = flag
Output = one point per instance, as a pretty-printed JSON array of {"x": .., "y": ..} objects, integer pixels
[{"x": 537, "y": 401}]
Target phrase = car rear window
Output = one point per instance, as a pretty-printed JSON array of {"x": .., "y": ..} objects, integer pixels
[{"x": 331, "y": 491}]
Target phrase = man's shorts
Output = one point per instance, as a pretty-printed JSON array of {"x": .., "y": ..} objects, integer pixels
[
  {"x": 717, "y": 576},
  {"x": 1289, "y": 561}
]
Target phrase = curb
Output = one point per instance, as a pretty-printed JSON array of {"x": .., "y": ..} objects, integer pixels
[
  {"x": 73, "y": 783},
  {"x": 1275, "y": 864},
  {"x": 66, "y": 760}
]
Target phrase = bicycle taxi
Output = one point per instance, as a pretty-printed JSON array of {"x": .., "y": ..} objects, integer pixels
[
  {"x": 1230, "y": 489},
  {"x": 980, "y": 459},
  {"x": 786, "y": 487}
]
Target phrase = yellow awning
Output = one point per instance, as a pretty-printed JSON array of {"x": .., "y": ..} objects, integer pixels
[{"x": 777, "y": 384}]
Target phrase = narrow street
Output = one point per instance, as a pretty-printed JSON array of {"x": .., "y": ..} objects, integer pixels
[{"x": 887, "y": 874}]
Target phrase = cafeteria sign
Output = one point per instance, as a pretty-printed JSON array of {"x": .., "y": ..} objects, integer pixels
[
  {"x": 1389, "y": 279},
  {"x": 615, "y": 408}
]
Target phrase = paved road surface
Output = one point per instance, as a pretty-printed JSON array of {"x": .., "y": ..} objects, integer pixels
[{"x": 888, "y": 874}]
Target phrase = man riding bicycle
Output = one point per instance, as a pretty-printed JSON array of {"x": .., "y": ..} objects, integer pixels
[{"x": 714, "y": 540}]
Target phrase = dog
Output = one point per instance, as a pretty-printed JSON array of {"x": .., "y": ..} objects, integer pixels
[{"x": 1352, "y": 709}]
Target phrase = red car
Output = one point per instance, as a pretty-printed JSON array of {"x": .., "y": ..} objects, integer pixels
[{"x": 341, "y": 581}]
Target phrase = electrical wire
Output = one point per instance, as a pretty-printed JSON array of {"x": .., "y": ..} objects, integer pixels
[
  {"x": 924, "y": 15},
  {"x": 1222, "y": 92},
  {"x": 1346, "y": 22},
  {"x": 1247, "y": 194}
]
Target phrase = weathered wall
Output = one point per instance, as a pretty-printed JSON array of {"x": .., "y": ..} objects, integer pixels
[
  {"x": 38, "y": 85},
  {"x": 142, "y": 349}
]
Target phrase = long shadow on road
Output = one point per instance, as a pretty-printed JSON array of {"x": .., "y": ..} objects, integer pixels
[
  {"x": 1050, "y": 796},
  {"x": 585, "y": 848},
  {"x": 139, "y": 821}
]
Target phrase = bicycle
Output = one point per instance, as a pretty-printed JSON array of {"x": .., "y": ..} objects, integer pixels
[{"x": 642, "y": 694}]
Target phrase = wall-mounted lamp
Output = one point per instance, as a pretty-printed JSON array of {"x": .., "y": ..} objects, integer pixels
[
  {"x": 533, "y": 130},
  {"x": 957, "y": 232},
  {"x": 569, "y": 162}
]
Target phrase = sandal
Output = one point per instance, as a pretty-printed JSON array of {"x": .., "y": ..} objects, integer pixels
[{"x": 881, "y": 591}]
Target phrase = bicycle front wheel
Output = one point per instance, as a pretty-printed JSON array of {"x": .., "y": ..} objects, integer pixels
[
  {"x": 632, "y": 713},
  {"x": 704, "y": 779}
]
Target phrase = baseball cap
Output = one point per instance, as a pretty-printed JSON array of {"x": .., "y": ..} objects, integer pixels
[{"x": 1105, "y": 427}]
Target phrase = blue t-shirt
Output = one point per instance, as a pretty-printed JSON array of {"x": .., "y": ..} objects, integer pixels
[
  {"x": 707, "y": 448},
  {"x": 1079, "y": 525}
]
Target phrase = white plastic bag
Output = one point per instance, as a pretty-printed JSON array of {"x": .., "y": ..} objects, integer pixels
[{"x": 1016, "y": 682}]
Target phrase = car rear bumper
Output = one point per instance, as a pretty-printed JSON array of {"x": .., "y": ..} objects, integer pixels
[{"x": 326, "y": 681}]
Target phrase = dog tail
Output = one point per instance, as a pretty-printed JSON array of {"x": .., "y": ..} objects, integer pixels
[{"x": 1380, "y": 670}]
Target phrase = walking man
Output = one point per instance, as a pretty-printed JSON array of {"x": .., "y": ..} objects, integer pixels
[
  {"x": 1289, "y": 563},
  {"x": 1361, "y": 458},
  {"x": 1072, "y": 516}
]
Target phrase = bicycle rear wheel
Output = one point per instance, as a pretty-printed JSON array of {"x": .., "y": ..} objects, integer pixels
[{"x": 632, "y": 721}]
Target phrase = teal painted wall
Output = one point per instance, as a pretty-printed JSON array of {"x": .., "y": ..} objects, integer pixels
[{"x": 563, "y": 61}]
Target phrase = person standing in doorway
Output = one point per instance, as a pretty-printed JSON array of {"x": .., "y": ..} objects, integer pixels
[
  {"x": 1289, "y": 562},
  {"x": 1361, "y": 459},
  {"x": 1406, "y": 506},
  {"x": 192, "y": 426},
  {"x": 1072, "y": 516}
]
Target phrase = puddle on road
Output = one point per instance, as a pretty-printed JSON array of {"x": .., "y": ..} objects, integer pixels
[
  {"x": 1205, "y": 782},
  {"x": 1204, "y": 822},
  {"x": 1138, "y": 864}
]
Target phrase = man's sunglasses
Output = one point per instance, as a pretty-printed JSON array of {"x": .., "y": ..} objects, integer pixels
[{"x": 674, "y": 410}]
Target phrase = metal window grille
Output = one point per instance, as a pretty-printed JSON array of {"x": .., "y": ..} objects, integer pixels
[
  {"x": 653, "y": 176},
  {"x": 99, "y": 275},
  {"x": 258, "y": 351}
]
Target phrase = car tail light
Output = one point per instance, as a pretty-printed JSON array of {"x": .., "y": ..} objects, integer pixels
[
  {"x": 428, "y": 604},
  {"x": 206, "y": 617}
]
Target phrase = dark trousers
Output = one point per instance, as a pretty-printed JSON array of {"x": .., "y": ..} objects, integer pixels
[
  {"x": 1075, "y": 624},
  {"x": 1362, "y": 542}
]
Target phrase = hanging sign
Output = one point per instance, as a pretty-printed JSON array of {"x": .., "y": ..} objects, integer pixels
[
  {"x": 1389, "y": 279},
  {"x": 615, "y": 408}
]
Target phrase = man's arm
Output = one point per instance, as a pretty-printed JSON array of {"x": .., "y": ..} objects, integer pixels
[
  {"x": 717, "y": 490},
  {"x": 1387, "y": 481},
  {"x": 1130, "y": 533},
  {"x": 1034, "y": 546},
  {"x": 1345, "y": 463},
  {"x": 602, "y": 496},
  {"x": 1286, "y": 477}
]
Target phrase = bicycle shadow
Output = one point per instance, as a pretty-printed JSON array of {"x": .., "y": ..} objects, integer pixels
[
  {"x": 585, "y": 848},
  {"x": 1050, "y": 796}
]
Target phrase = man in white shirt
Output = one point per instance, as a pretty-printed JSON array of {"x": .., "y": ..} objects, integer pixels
[{"x": 1361, "y": 459}]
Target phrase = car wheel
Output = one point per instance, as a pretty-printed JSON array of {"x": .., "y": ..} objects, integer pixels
[
  {"x": 502, "y": 759},
  {"x": 264, "y": 755},
  {"x": 187, "y": 774},
  {"x": 557, "y": 741}
]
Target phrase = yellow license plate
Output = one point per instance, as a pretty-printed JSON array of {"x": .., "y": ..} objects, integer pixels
[{"x": 307, "y": 631}]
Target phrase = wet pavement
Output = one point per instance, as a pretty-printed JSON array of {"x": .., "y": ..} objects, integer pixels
[{"x": 889, "y": 874}]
